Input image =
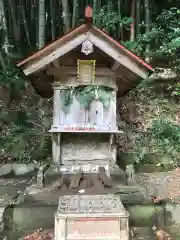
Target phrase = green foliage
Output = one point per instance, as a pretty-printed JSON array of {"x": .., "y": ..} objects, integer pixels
[
  {"x": 23, "y": 130},
  {"x": 167, "y": 136},
  {"x": 25, "y": 145},
  {"x": 67, "y": 99},
  {"x": 109, "y": 19},
  {"x": 10, "y": 77},
  {"x": 176, "y": 91},
  {"x": 163, "y": 139},
  {"x": 85, "y": 95},
  {"x": 163, "y": 38}
]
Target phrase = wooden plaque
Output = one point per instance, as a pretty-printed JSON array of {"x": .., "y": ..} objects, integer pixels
[{"x": 86, "y": 71}]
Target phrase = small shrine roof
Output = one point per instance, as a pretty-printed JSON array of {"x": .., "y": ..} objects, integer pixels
[{"x": 130, "y": 66}]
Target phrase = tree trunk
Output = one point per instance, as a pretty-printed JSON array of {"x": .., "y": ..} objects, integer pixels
[
  {"x": 2, "y": 62},
  {"x": 41, "y": 35},
  {"x": 120, "y": 27},
  {"x": 132, "y": 35},
  {"x": 74, "y": 16},
  {"x": 19, "y": 19},
  {"x": 41, "y": 43},
  {"x": 95, "y": 10},
  {"x": 14, "y": 18},
  {"x": 147, "y": 27},
  {"x": 25, "y": 21},
  {"x": 138, "y": 16},
  {"x": 66, "y": 15},
  {"x": 3, "y": 22},
  {"x": 52, "y": 19}
]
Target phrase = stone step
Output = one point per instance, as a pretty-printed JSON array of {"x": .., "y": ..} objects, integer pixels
[
  {"x": 129, "y": 189},
  {"x": 131, "y": 194},
  {"x": 142, "y": 233}
]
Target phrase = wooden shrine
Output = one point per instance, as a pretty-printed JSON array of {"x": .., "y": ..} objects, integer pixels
[{"x": 87, "y": 70}]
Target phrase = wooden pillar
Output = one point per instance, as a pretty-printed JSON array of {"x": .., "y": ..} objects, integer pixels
[
  {"x": 56, "y": 107},
  {"x": 56, "y": 148},
  {"x": 113, "y": 111},
  {"x": 56, "y": 137}
]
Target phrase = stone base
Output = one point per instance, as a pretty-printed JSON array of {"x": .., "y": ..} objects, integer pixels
[
  {"x": 114, "y": 172},
  {"x": 132, "y": 194},
  {"x": 34, "y": 189},
  {"x": 117, "y": 174},
  {"x": 52, "y": 170},
  {"x": 111, "y": 217},
  {"x": 55, "y": 170}
]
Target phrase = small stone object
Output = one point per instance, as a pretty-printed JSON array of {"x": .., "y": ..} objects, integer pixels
[
  {"x": 81, "y": 191},
  {"x": 130, "y": 172},
  {"x": 5, "y": 169},
  {"x": 40, "y": 177},
  {"x": 23, "y": 169}
]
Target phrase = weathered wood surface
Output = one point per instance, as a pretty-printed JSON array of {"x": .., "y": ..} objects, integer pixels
[
  {"x": 89, "y": 182},
  {"x": 75, "y": 180},
  {"x": 83, "y": 181},
  {"x": 97, "y": 183},
  {"x": 54, "y": 54},
  {"x": 59, "y": 183},
  {"x": 83, "y": 184},
  {"x": 104, "y": 178}
]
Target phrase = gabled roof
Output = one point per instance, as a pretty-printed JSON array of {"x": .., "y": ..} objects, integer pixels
[
  {"x": 78, "y": 35},
  {"x": 55, "y": 44}
]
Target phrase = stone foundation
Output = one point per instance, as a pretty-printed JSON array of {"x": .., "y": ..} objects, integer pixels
[{"x": 81, "y": 149}]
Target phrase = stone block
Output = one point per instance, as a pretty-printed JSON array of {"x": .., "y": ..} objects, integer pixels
[
  {"x": 23, "y": 169},
  {"x": 5, "y": 169}
]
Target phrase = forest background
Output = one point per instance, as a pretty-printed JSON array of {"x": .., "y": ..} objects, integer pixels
[{"x": 149, "y": 28}]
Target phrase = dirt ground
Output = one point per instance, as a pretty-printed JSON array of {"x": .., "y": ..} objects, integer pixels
[{"x": 164, "y": 184}]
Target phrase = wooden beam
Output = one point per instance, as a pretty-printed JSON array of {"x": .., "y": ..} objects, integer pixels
[
  {"x": 56, "y": 63},
  {"x": 67, "y": 47},
  {"x": 115, "y": 66},
  {"x": 126, "y": 78},
  {"x": 117, "y": 55},
  {"x": 57, "y": 72}
]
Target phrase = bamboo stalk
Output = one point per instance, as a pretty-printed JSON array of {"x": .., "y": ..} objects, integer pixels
[
  {"x": 74, "y": 15},
  {"x": 52, "y": 19},
  {"x": 66, "y": 15},
  {"x": 41, "y": 35},
  {"x": 25, "y": 22}
]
